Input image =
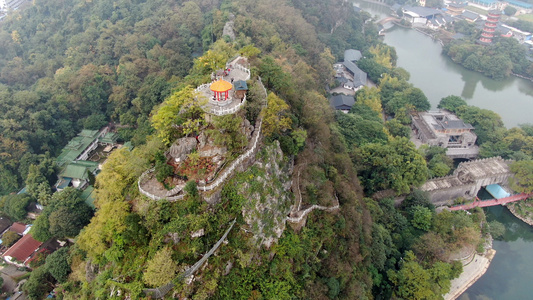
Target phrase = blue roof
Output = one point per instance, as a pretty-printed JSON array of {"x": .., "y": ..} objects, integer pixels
[
  {"x": 497, "y": 191},
  {"x": 520, "y": 3},
  {"x": 484, "y": 1}
]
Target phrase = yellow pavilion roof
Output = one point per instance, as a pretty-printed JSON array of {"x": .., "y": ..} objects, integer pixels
[{"x": 221, "y": 86}]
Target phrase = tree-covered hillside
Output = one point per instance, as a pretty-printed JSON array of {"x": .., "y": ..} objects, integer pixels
[{"x": 82, "y": 64}]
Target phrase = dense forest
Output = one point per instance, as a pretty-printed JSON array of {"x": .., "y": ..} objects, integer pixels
[{"x": 86, "y": 64}]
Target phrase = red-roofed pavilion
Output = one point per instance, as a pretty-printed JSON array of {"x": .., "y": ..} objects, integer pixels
[{"x": 221, "y": 88}]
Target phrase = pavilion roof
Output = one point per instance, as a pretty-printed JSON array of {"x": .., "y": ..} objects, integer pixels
[{"x": 221, "y": 86}]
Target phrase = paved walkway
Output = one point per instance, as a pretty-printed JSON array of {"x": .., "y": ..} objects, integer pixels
[
  {"x": 237, "y": 72},
  {"x": 471, "y": 273}
]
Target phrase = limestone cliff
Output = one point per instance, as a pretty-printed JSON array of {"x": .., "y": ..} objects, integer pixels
[{"x": 266, "y": 188}]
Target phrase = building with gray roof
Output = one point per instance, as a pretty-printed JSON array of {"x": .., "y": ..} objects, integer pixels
[
  {"x": 446, "y": 130},
  {"x": 342, "y": 102}
]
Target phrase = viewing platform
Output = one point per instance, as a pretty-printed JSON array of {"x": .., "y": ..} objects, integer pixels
[{"x": 227, "y": 91}]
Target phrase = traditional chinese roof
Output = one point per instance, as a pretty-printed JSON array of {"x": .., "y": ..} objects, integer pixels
[
  {"x": 76, "y": 146},
  {"x": 342, "y": 102},
  {"x": 23, "y": 248},
  {"x": 240, "y": 85},
  {"x": 78, "y": 169},
  {"x": 352, "y": 55},
  {"x": 221, "y": 86}
]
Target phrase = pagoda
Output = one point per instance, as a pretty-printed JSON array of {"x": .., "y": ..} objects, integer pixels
[{"x": 489, "y": 29}]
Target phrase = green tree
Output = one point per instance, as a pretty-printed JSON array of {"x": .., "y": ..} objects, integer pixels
[
  {"x": 358, "y": 132},
  {"x": 396, "y": 165},
  {"x": 38, "y": 284},
  {"x": 227, "y": 132},
  {"x": 509, "y": 10},
  {"x": 15, "y": 206},
  {"x": 9, "y": 238},
  {"x": 412, "y": 281},
  {"x": 41, "y": 228},
  {"x": 422, "y": 218},
  {"x": 160, "y": 269},
  {"x": 451, "y": 103},
  {"x": 275, "y": 116},
  {"x": 522, "y": 181},
  {"x": 57, "y": 264},
  {"x": 181, "y": 113}
]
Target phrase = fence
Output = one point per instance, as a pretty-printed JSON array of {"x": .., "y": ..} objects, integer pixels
[
  {"x": 305, "y": 212},
  {"x": 161, "y": 291},
  {"x": 171, "y": 195},
  {"x": 235, "y": 163},
  {"x": 168, "y": 194},
  {"x": 221, "y": 111}
]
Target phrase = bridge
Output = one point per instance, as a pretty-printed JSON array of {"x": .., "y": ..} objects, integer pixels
[
  {"x": 492, "y": 202},
  {"x": 389, "y": 19}
]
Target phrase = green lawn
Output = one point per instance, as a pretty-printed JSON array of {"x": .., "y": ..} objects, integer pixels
[{"x": 527, "y": 17}]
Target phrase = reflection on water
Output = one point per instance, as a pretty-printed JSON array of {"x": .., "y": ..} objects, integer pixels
[
  {"x": 376, "y": 10},
  {"x": 438, "y": 76},
  {"x": 509, "y": 275}
]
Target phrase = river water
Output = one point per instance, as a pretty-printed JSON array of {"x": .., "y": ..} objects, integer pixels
[
  {"x": 510, "y": 274},
  {"x": 438, "y": 76}
]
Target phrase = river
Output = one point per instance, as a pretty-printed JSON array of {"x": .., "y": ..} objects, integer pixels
[
  {"x": 438, "y": 76},
  {"x": 510, "y": 273}
]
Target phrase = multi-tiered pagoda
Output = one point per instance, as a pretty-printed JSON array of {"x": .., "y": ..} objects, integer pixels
[{"x": 490, "y": 27}]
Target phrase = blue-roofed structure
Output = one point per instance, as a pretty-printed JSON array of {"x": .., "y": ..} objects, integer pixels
[
  {"x": 485, "y": 3},
  {"x": 520, "y": 4},
  {"x": 497, "y": 191}
]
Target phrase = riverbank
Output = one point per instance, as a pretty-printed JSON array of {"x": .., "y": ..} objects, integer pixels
[
  {"x": 524, "y": 219},
  {"x": 471, "y": 273}
]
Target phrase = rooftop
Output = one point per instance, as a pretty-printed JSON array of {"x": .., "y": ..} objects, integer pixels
[
  {"x": 519, "y": 3},
  {"x": 485, "y": 167},
  {"x": 23, "y": 248},
  {"x": 18, "y": 228},
  {"x": 470, "y": 15},
  {"x": 4, "y": 224},
  {"x": 109, "y": 138},
  {"x": 342, "y": 102},
  {"x": 78, "y": 169},
  {"x": 352, "y": 55},
  {"x": 221, "y": 85},
  {"x": 418, "y": 11},
  {"x": 88, "y": 196},
  {"x": 240, "y": 85},
  {"x": 76, "y": 146}
]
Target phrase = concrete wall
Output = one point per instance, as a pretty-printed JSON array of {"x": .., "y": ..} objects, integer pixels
[{"x": 446, "y": 196}]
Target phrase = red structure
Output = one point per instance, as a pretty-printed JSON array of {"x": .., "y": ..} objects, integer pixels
[
  {"x": 493, "y": 202},
  {"x": 490, "y": 27},
  {"x": 221, "y": 89}
]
